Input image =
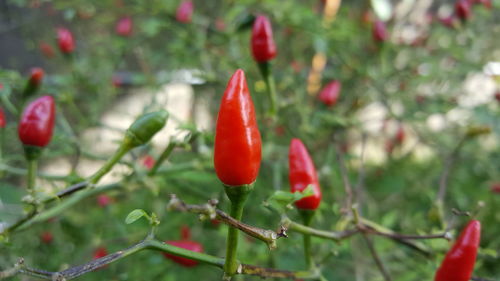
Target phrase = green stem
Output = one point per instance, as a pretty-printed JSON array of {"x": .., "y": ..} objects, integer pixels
[
  {"x": 109, "y": 164},
  {"x": 265, "y": 70},
  {"x": 307, "y": 216},
  {"x": 238, "y": 196},
  {"x": 63, "y": 206},
  {"x": 165, "y": 154},
  {"x": 31, "y": 176}
]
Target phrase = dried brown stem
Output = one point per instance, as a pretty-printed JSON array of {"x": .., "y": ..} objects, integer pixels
[{"x": 209, "y": 211}]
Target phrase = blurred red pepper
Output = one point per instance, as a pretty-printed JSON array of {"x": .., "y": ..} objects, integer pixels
[
  {"x": 100, "y": 252},
  {"x": 486, "y": 3},
  {"x": 36, "y": 76},
  {"x": 37, "y": 122},
  {"x": 497, "y": 96},
  {"x": 462, "y": 9},
  {"x": 46, "y": 237},
  {"x": 46, "y": 50},
  {"x": 330, "y": 93},
  {"x": 458, "y": 264},
  {"x": 185, "y": 12},
  {"x": 34, "y": 82},
  {"x": 148, "y": 161},
  {"x": 379, "y": 31},
  {"x": 3, "y": 120},
  {"x": 400, "y": 135},
  {"x": 124, "y": 26},
  {"x": 103, "y": 200},
  {"x": 495, "y": 187},
  {"x": 448, "y": 21},
  {"x": 237, "y": 152},
  {"x": 302, "y": 173},
  {"x": 262, "y": 43},
  {"x": 65, "y": 40},
  {"x": 187, "y": 244}
]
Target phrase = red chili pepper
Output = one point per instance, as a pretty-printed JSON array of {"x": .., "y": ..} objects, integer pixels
[
  {"x": 36, "y": 76},
  {"x": 103, "y": 200},
  {"x": 400, "y": 135},
  {"x": 495, "y": 187},
  {"x": 65, "y": 40},
  {"x": 185, "y": 12},
  {"x": 100, "y": 252},
  {"x": 448, "y": 21},
  {"x": 237, "y": 138},
  {"x": 302, "y": 173},
  {"x": 148, "y": 161},
  {"x": 37, "y": 122},
  {"x": 497, "y": 96},
  {"x": 379, "y": 31},
  {"x": 46, "y": 237},
  {"x": 330, "y": 93},
  {"x": 462, "y": 9},
  {"x": 46, "y": 50},
  {"x": 3, "y": 121},
  {"x": 263, "y": 46},
  {"x": 458, "y": 264},
  {"x": 188, "y": 245},
  {"x": 124, "y": 26}
]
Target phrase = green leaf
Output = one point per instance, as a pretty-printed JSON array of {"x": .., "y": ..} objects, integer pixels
[
  {"x": 135, "y": 215},
  {"x": 281, "y": 200}
]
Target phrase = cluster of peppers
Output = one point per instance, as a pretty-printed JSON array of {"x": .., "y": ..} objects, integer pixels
[{"x": 237, "y": 149}]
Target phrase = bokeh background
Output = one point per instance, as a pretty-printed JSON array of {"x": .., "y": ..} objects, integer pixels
[{"x": 436, "y": 78}]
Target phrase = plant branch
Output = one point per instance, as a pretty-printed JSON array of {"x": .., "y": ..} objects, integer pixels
[
  {"x": 335, "y": 236},
  {"x": 376, "y": 258},
  {"x": 79, "y": 270},
  {"x": 209, "y": 211}
]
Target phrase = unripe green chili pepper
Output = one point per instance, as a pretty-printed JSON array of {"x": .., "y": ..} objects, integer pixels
[
  {"x": 139, "y": 133},
  {"x": 145, "y": 127}
]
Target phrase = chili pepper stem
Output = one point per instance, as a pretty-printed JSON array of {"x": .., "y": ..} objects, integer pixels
[
  {"x": 265, "y": 70},
  {"x": 238, "y": 196},
  {"x": 31, "y": 176},
  {"x": 307, "y": 216},
  {"x": 122, "y": 150},
  {"x": 165, "y": 154}
]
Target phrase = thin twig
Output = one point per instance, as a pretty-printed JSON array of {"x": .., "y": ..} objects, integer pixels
[
  {"x": 79, "y": 270},
  {"x": 208, "y": 211},
  {"x": 331, "y": 235},
  {"x": 445, "y": 174},
  {"x": 345, "y": 177},
  {"x": 376, "y": 258}
]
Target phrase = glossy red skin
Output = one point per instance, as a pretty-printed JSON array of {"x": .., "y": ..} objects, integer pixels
[
  {"x": 46, "y": 237},
  {"x": 379, "y": 31},
  {"x": 65, "y": 40},
  {"x": 188, "y": 245},
  {"x": 37, "y": 122},
  {"x": 330, "y": 93},
  {"x": 458, "y": 264},
  {"x": 262, "y": 43},
  {"x": 46, "y": 50},
  {"x": 100, "y": 252},
  {"x": 124, "y": 26},
  {"x": 185, "y": 12},
  {"x": 462, "y": 9},
  {"x": 301, "y": 174},
  {"x": 237, "y": 151},
  {"x": 36, "y": 76},
  {"x": 3, "y": 121}
]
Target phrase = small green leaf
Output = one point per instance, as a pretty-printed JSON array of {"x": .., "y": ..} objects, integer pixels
[
  {"x": 281, "y": 200},
  {"x": 135, "y": 215}
]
